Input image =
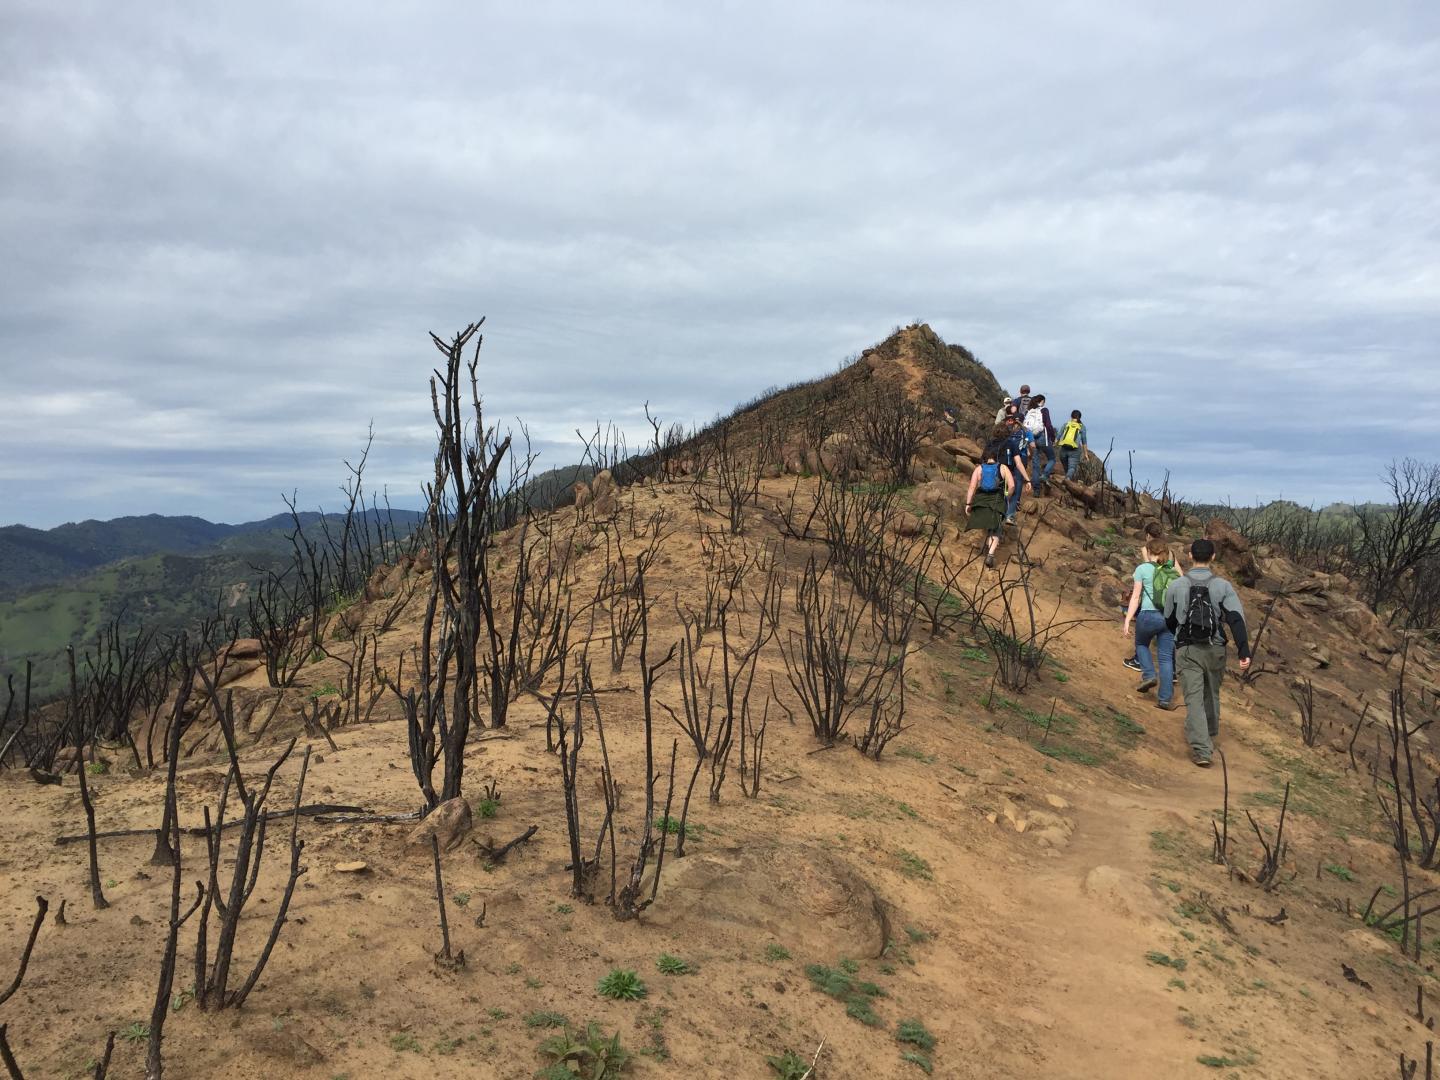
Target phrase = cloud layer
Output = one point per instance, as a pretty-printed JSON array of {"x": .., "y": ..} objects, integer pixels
[{"x": 227, "y": 232}]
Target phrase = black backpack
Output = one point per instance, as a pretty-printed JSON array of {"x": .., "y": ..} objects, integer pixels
[{"x": 1201, "y": 624}]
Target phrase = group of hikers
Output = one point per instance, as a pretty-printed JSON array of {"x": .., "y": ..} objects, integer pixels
[
  {"x": 1022, "y": 451},
  {"x": 1186, "y": 617}
]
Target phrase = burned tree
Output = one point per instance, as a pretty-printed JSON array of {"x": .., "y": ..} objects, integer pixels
[
  {"x": 463, "y": 648},
  {"x": 212, "y": 973}
]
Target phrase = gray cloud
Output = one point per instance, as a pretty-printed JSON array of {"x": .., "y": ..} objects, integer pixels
[{"x": 227, "y": 231}]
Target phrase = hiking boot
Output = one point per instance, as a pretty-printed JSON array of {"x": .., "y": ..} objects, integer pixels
[
  {"x": 1133, "y": 664},
  {"x": 1146, "y": 685},
  {"x": 1196, "y": 759},
  {"x": 990, "y": 562},
  {"x": 1168, "y": 706}
]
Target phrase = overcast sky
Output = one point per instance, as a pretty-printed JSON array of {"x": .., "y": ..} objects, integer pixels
[{"x": 225, "y": 233}]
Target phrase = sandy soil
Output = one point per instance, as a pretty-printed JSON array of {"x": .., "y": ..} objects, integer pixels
[{"x": 1011, "y": 891}]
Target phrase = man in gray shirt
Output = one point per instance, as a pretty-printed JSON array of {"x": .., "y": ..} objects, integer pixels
[{"x": 1199, "y": 607}]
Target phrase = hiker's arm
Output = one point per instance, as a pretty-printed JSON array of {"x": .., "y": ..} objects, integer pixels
[
  {"x": 1236, "y": 622},
  {"x": 1134, "y": 604},
  {"x": 1009, "y": 480},
  {"x": 974, "y": 483}
]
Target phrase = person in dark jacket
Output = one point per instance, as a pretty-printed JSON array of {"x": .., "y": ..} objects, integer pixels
[
  {"x": 1200, "y": 607},
  {"x": 1015, "y": 453}
]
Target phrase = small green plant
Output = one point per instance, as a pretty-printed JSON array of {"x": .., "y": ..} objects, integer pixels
[
  {"x": 1178, "y": 984},
  {"x": 446, "y": 1046},
  {"x": 1179, "y": 963},
  {"x": 487, "y": 808},
  {"x": 497, "y": 1014},
  {"x": 1344, "y": 873},
  {"x": 974, "y": 654},
  {"x": 861, "y": 1009},
  {"x": 1061, "y": 677},
  {"x": 789, "y": 1065},
  {"x": 404, "y": 1040},
  {"x": 181, "y": 998},
  {"x": 1213, "y": 1062},
  {"x": 915, "y": 754},
  {"x": 532, "y": 983},
  {"x": 918, "y": 936},
  {"x": 672, "y": 965},
  {"x": 842, "y": 986},
  {"x": 137, "y": 1032},
  {"x": 512, "y": 968},
  {"x": 850, "y": 967},
  {"x": 621, "y": 984},
  {"x": 916, "y": 1034},
  {"x": 564, "y": 909},
  {"x": 325, "y": 689},
  {"x": 919, "y": 1059},
  {"x": 545, "y": 1018},
  {"x": 587, "y": 1056},
  {"x": 670, "y": 826},
  {"x": 97, "y": 768},
  {"x": 912, "y": 865},
  {"x": 462, "y": 899},
  {"x": 776, "y": 953},
  {"x": 111, "y": 883}
]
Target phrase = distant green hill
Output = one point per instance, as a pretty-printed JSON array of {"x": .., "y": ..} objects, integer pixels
[
  {"x": 34, "y": 557},
  {"x": 61, "y": 586}
]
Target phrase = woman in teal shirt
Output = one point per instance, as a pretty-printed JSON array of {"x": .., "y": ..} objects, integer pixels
[{"x": 1146, "y": 612}]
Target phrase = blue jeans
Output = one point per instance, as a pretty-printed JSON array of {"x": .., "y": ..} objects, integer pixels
[
  {"x": 1012, "y": 504},
  {"x": 1070, "y": 459},
  {"x": 1150, "y": 626},
  {"x": 1042, "y": 473}
]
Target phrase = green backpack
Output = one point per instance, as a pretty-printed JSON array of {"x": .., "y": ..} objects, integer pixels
[{"x": 1165, "y": 573}]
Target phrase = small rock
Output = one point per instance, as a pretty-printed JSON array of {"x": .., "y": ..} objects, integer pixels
[
  {"x": 1014, "y": 815},
  {"x": 449, "y": 823},
  {"x": 351, "y": 867},
  {"x": 1370, "y": 1011},
  {"x": 1055, "y": 802},
  {"x": 993, "y": 818},
  {"x": 317, "y": 759}
]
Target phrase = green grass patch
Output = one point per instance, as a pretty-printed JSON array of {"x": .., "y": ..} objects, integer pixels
[
  {"x": 843, "y": 986},
  {"x": 1160, "y": 959},
  {"x": 912, "y": 865}
]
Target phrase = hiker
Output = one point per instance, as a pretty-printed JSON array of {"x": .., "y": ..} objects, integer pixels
[
  {"x": 1014, "y": 453},
  {"x": 1042, "y": 431},
  {"x": 990, "y": 486},
  {"x": 1152, "y": 578},
  {"x": 1199, "y": 606},
  {"x": 1022, "y": 400},
  {"x": 1005, "y": 402},
  {"x": 1071, "y": 445}
]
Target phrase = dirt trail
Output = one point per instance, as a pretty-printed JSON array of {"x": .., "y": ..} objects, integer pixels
[{"x": 1102, "y": 1000}]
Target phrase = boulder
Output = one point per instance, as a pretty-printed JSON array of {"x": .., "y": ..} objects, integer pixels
[
  {"x": 935, "y": 456},
  {"x": 963, "y": 447},
  {"x": 244, "y": 649},
  {"x": 943, "y": 498},
  {"x": 905, "y": 524},
  {"x": 603, "y": 483},
  {"x": 1233, "y": 551},
  {"x": 583, "y": 495},
  {"x": 839, "y": 454},
  {"x": 450, "y": 823}
]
